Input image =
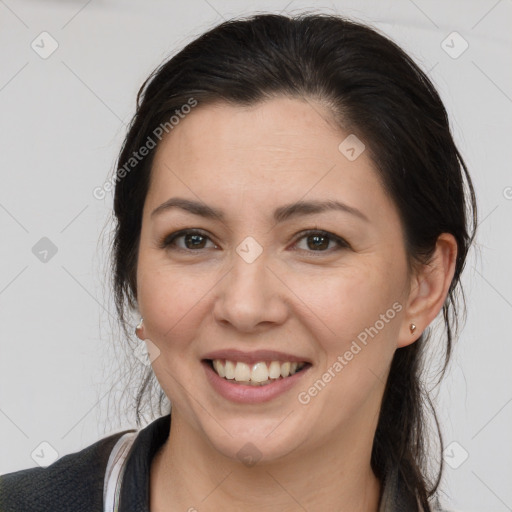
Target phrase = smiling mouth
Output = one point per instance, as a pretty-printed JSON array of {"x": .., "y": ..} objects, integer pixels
[{"x": 258, "y": 374}]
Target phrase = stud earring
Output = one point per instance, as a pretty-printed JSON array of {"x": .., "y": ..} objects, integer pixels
[
  {"x": 139, "y": 326},
  {"x": 412, "y": 328}
]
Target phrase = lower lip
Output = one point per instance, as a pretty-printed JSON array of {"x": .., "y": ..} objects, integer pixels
[{"x": 243, "y": 393}]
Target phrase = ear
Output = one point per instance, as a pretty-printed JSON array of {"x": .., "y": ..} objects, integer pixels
[{"x": 428, "y": 290}]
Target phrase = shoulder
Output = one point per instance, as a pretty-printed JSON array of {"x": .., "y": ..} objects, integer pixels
[{"x": 72, "y": 483}]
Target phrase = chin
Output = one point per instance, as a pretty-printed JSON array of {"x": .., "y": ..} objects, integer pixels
[{"x": 251, "y": 441}]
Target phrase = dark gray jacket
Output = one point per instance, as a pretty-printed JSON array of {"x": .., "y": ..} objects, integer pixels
[{"x": 76, "y": 482}]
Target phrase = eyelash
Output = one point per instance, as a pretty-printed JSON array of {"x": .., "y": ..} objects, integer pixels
[{"x": 168, "y": 242}]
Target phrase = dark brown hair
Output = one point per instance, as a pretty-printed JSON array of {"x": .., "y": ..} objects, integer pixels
[{"x": 373, "y": 90}]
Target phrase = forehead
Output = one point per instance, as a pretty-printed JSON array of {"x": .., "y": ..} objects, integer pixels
[{"x": 278, "y": 149}]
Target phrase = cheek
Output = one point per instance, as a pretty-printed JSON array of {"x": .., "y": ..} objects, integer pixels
[
  {"x": 360, "y": 313},
  {"x": 171, "y": 305},
  {"x": 172, "y": 301},
  {"x": 350, "y": 300}
]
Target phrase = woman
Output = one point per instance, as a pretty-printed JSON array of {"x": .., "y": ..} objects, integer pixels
[{"x": 291, "y": 216}]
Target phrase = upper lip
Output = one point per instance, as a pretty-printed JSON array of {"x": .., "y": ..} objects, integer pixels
[{"x": 254, "y": 357}]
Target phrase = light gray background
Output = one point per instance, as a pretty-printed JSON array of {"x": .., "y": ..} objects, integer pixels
[{"x": 61, "y": 126}]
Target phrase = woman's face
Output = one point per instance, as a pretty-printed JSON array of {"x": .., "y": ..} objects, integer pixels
[{"x": 251, "y": 286}]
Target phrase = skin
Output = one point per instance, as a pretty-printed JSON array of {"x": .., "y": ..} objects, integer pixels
[{"x": 293, "y": 298}]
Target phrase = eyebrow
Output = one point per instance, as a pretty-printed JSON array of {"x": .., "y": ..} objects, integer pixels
[{"x": 281, "y": 214}]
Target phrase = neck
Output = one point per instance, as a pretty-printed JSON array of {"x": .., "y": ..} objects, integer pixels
[{"x": 189, "y": 474}]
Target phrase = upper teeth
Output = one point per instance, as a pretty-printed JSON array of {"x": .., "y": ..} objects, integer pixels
[{"x": 258, "y": 372}]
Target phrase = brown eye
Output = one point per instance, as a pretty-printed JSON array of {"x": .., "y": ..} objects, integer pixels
[
  {"x": 318, "y": 241},
  {"x": 193, "y": 240}
]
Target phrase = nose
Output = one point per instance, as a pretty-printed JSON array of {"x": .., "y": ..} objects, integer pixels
[{"x": 251, "y": 297}]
